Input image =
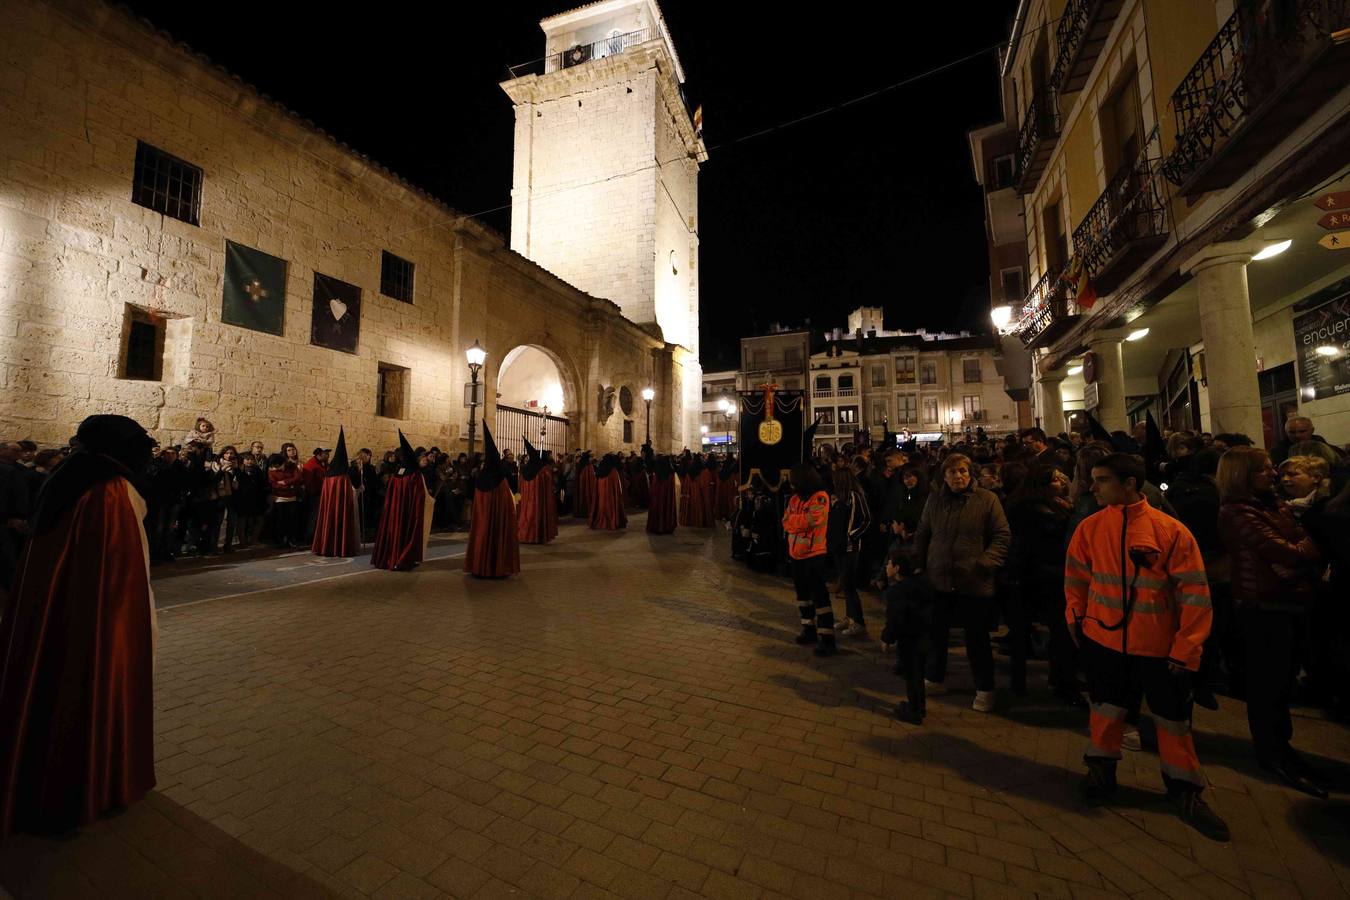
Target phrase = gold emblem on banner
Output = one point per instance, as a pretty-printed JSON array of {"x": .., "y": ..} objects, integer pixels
[{"x": 770, "y": 430}]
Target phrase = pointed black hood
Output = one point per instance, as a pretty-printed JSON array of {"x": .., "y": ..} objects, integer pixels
[
  {"x": 661, "y": 467},
  {"x": 339, "y": 464},
  {"x": 607, "y": 465},
  {"x": 492, "y": 471},
  {"x": 808, "y": 439},
  {"x": 533, "y": 461},
  {"x": 407, "y": 456},
  {"x": 729, "y": 467},
  {"x": 696, "y": 466},
  {"x": 1097, "y": 430}
]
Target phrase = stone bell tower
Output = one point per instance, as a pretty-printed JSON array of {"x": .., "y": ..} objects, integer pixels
[{"x": 605, "y": 192}]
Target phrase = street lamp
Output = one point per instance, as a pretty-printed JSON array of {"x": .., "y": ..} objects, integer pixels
[
  {"x": 475, "y": 355},
  {"x": 648, "y": 394},
  {"x": 728, "y": 408}
]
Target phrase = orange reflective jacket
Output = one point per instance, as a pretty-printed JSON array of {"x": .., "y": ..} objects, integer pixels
[
  {"x": 1134, "y": 580},
  {"x": 805, "y": 522}
]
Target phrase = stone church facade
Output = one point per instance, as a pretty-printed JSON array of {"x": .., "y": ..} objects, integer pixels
[{"x": 91, "y": 281}]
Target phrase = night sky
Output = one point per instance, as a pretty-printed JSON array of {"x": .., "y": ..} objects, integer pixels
[{"x": 871, "y": 204}]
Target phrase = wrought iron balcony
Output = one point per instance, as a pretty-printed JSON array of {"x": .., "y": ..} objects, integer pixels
[
  {"x": 584, "y": 53},
  {"x": 1048, "y": 311},
  {"x": 1080, "y": 37},
  {"x": 1036, "y": 141},
  {"x": 1127, "y": 223},
  {"x": 1269, "y": 68}
]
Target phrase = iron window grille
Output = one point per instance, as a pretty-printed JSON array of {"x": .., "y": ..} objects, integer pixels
[
  {"x": 396, "y": 277},
  {"x": 167, "y": 184}
]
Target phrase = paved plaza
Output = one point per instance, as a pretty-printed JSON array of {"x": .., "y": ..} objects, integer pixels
[{"x": 629, "y": 717}]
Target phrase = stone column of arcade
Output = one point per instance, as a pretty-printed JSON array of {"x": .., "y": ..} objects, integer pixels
[
  {"x": 1110, "y": 379},
  {"x": 1220, "y": 272},
  {"x": 1051, "y": 401}
]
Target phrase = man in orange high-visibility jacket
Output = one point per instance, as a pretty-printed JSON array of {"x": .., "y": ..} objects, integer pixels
[{"x": 1137, "y": 602}]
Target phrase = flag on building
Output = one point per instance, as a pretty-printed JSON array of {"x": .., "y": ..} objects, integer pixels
[
  {"x": 255, "y": 289},
  {"x": 698, "y": 121},
  {"x": 1077, "y": 276},
  {"x": 335, "y": 321}
]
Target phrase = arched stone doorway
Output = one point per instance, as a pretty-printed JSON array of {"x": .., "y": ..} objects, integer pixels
[{"x": 534, "y": 398}]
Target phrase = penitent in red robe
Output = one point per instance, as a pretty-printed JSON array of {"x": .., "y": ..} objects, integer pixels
[
  {"x": 709, "y": 480},
  {"x": 77, "y": 645},
  {"x": 661, "y": 514},
  {"x": 494, "y": 547},
  {"x": 585, "y": 500},
  {"x": 728, "y": 488},
  {"x": 537, "y": 518},
  {"x": 405, "y": 524},
  {"x": 337, "y": 530},
  {"x": 694, "y": 512},
  {"x": 608, "y": 513}
]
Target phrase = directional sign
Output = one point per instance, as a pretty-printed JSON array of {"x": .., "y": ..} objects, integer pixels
[
  {"x": 1336, "y": 200},
  {"x": 1333, "y": 220},
  {"x": 1337, "y": 240}
]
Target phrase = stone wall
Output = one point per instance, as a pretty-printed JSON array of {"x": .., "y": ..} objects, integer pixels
[{"x": 80, "y": 84}]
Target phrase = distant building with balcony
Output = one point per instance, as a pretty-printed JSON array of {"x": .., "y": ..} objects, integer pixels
[
  {"x": 715, "y": 425},
  {"x": 1163, "y": 153},
  {"x": 778, "y": 356}
]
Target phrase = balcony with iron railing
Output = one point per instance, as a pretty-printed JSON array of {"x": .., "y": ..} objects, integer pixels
[
  {"x": 1036, "y": 140},
  {"x": 1048, "y": 311},
  {"x": 583, "y": 53},
  {"x": 1127, "y": 223},
  {"x": 1080, "y": 36},
  {"x": 1270, "y": 66}
]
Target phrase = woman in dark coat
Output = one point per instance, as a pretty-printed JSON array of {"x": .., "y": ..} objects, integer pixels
[{"x": 1275, "y": 569}]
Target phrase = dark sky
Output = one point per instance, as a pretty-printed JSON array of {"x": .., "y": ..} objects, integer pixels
[{"x": 873, "y": 204}]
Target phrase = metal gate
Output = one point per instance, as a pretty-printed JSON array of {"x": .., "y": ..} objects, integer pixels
[{"x": 545, "y": 432}]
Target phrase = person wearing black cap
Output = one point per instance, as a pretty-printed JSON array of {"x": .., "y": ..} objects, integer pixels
[
  {"x": 77, "y": 642},
  {"x": 585, "y": 499},
  {"x": 494, "y": 544},
  {"x": 661, "y": 514},
  {"x": 537, "y": 518},
  {"x": 607, "y": 514},
  {"x": 405, "y": 522},
  {"x": 337, "y": 529}
]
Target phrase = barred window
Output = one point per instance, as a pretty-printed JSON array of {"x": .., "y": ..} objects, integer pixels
[
  {"x": 167, "y": 184},
  {"x": 396, "y": 277}
]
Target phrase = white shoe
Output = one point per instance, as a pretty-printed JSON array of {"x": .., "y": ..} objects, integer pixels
[
  {"x": 932, "y": 688},
  {"x": 984, "y": 701},
  {"x": 855, "y": 629},
  {"x": 1130, "y": 741}
]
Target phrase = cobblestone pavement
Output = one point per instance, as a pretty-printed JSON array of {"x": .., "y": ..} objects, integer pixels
[{"x": 630, "y": 717}]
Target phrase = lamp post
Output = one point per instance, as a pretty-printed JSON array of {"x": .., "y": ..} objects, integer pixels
[
  {"x": 728, "y": 408},
  {"x": 475, "y": 355},
  {"x": 647, "y": 395}
]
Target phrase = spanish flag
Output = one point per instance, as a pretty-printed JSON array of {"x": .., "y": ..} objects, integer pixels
[{"x": 1077, "y": 277}]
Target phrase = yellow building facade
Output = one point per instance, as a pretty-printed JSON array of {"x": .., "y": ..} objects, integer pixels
[{"x": 1163, "y": 152}]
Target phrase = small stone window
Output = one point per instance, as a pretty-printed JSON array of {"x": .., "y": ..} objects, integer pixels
[
  {"x": 142, "y": 346},
  {"x": 628, "y": 431},
  {"x": 391, "y": 391},
  {"x": 167, "y": 184},
  {"x": 396, "y": 277}
]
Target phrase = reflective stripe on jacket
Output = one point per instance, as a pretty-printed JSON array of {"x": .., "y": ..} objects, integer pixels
[
  {"x": 1135, "y": 580},
  {"x": 805, "y": 523}
]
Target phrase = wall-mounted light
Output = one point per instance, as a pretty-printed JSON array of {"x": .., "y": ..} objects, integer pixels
[
  {"x": 1273, "y": 249},
  {"x": 1137, "y": 335},
  {"x": 1001, "y": 316}
]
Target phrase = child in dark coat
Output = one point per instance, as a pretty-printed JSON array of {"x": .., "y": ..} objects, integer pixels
[{"x": 909, "y": 620}]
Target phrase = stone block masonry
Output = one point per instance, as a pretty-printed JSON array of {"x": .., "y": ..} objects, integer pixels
[{"x": 80, "y": 85}]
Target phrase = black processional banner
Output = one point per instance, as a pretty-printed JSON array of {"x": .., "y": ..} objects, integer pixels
[
  {"x": 336, "y": 321},
  {"x": 255, "y": 289},
  {"x": 770, "y": 438}
]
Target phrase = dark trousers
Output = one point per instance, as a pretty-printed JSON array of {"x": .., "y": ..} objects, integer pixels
[
  {"x": 1115, "y": 681},
  {"x": 286, "y": 519},
  {"x": 1272, "y": 665},
  {"x": 813, "y": 596},
  {"x": 975, "y": 615},
  {"x": 1221, "y": 601},
  {"x": 912, "y": 652},
  {"x": 1015, "y": 614},
  {"x": 848, "y": 584}
]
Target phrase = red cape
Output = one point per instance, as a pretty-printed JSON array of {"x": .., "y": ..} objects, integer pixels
[
  {"x": 640, "y": 489},
  {"x": 694, "y": 512},
  {"x": 608, "y": 514},
  {"x": 400, "y": 542},
  {"x": 76, "y": 675},
  {"x": 709, "y": 481},
  {"x": 661, "y": 514},
  {"x": 538, "y": 514},
  {"x": 494, "y": 548},
  {"x": 337, "y": 531},
  {"x": 727, "y": 493},
  {"x": 585, "y": 500}
]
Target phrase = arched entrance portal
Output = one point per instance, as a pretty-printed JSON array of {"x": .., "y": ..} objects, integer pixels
[{"x": 532, "y": 398}]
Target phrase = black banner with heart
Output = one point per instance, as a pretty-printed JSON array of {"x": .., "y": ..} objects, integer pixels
[{"x": 336, "y": 323}]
